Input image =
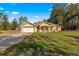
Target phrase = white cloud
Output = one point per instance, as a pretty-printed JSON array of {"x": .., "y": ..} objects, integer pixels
[
  {"x": 15, "y": 13},
  {"x": 7, "y": 11},
  {"x": 1, "y": 8},
  {"x": 36, "y": 16},
  {"x": 50, "y": 9}
]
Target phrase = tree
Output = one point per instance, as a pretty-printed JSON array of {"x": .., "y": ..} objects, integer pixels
[
  {"x": 25, "y": 18},
  {"x": 5, "y": 23},
  {"x": 22, "y": 19},
  {"x": 63, "y": 15},
  {"x": 1, "y": 16},
  {"x": 73, "y": 9},
  {"x": 44, "y": 20},
  {"x": 14, "y": 24},
  {"x": 57, "y": 14}
]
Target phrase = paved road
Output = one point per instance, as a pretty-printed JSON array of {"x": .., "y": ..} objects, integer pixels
[{"x": 8, "y": 41}]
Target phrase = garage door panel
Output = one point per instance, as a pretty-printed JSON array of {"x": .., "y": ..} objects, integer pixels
[{"x": 28, "y": 29}]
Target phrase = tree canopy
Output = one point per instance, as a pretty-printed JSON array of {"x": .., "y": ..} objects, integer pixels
[
  {"x": 66, "y": 15},
  {"x": 14, "y": 24},
  {"x": 22, "y": 19},
  {"x": 6, "y": 25}
]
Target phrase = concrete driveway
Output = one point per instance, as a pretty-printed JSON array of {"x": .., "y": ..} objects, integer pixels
[{"x": 10, "y": 40}]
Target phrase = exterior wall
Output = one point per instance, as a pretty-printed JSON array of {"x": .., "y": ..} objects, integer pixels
[
  {"x": 35, "y": 29},
  {"x": 53, "y": 29},
  {"x": 56, "y": 29},
  {"x": 50, "y": 28},
  {"x": 59, "y": 29}
]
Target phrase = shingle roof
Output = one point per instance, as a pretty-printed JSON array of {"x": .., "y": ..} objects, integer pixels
[
  {"x": 40, "y": 22},
  {"x": 29, "y": 23}
]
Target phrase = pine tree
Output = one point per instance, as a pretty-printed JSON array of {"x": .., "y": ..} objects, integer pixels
[
  {"x": 22, "y": 19},
  {"x": 65, "y": 15},
  {"x": 1, "y": 16},
  {"x": 14, "y": 24},
  {"x": 5, "y": 23}
]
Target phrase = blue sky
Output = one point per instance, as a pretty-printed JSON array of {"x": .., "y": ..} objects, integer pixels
[{"x": 34, "y": 11}]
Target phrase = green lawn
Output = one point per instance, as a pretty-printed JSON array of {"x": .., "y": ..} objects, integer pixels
[{"x": 54, "y": 43}]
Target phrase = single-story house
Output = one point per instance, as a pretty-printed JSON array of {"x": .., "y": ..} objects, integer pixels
[{"x": 41, "y": 26}]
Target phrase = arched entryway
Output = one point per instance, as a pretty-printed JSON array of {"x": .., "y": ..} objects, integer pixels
[{"x": 43, "y": 29}]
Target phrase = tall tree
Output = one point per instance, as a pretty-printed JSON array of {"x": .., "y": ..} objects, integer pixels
[
  {"x": 22, "y": 19},
  {"x": 64, "y": 15},
  {"x": 14, "y": 24},
  {"x": 5, "y": 23},
  {"x": 73, "y": 9},
  {"x": 57, "y": 14},
  {"x": 1, "y": 16}
]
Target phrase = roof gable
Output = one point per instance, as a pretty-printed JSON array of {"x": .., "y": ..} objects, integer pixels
[
  {"x": 45, "y": 22},
  {"x": 27, "y": 24},
  {"x": 41, "y": 22}
]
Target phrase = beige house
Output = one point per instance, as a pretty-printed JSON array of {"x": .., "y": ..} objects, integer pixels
[{"x": 41, "y": 26}]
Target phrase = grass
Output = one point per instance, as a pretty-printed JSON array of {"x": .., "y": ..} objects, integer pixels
[{"x": 54, "y": 43}]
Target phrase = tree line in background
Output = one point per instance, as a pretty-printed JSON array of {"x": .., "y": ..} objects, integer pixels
[
  {"x": 6, "y": 25},
  {"x": 65, "y": 15}
]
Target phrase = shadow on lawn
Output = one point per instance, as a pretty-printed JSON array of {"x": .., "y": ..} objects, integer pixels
[
  {"x": 75, "y": 37},
  {"x": 34, "y": 49},
  {"x": 62, "y": 51}
]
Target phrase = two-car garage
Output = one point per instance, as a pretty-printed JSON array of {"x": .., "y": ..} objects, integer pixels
[{"x": 27, "y": 29}]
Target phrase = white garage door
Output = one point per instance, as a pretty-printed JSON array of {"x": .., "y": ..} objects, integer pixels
[{"x": 27, "y": 29}]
